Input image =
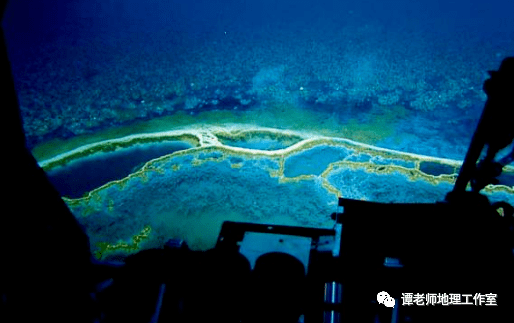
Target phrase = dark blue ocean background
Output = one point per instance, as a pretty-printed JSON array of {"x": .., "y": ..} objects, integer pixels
[{"x": 412, "y": 70}]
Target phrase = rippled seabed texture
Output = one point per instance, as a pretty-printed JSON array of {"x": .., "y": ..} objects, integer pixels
[{"x": 247, "y": 107}]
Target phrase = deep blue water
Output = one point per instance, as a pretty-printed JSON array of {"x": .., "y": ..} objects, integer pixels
[{"x": 84, "y": 175}]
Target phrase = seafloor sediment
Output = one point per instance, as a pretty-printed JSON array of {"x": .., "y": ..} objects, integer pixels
[
  {"x": 289, "y": 177},
  {"x": 364, "y": 76}
]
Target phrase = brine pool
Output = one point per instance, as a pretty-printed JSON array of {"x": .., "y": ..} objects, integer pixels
[{"x": 135, "y": 192}]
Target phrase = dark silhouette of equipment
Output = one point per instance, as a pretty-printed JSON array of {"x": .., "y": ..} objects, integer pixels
[{"x": 267, "y": 273}]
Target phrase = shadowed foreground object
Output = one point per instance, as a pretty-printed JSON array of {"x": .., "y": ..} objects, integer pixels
[{"x": 42, "y": 278}]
